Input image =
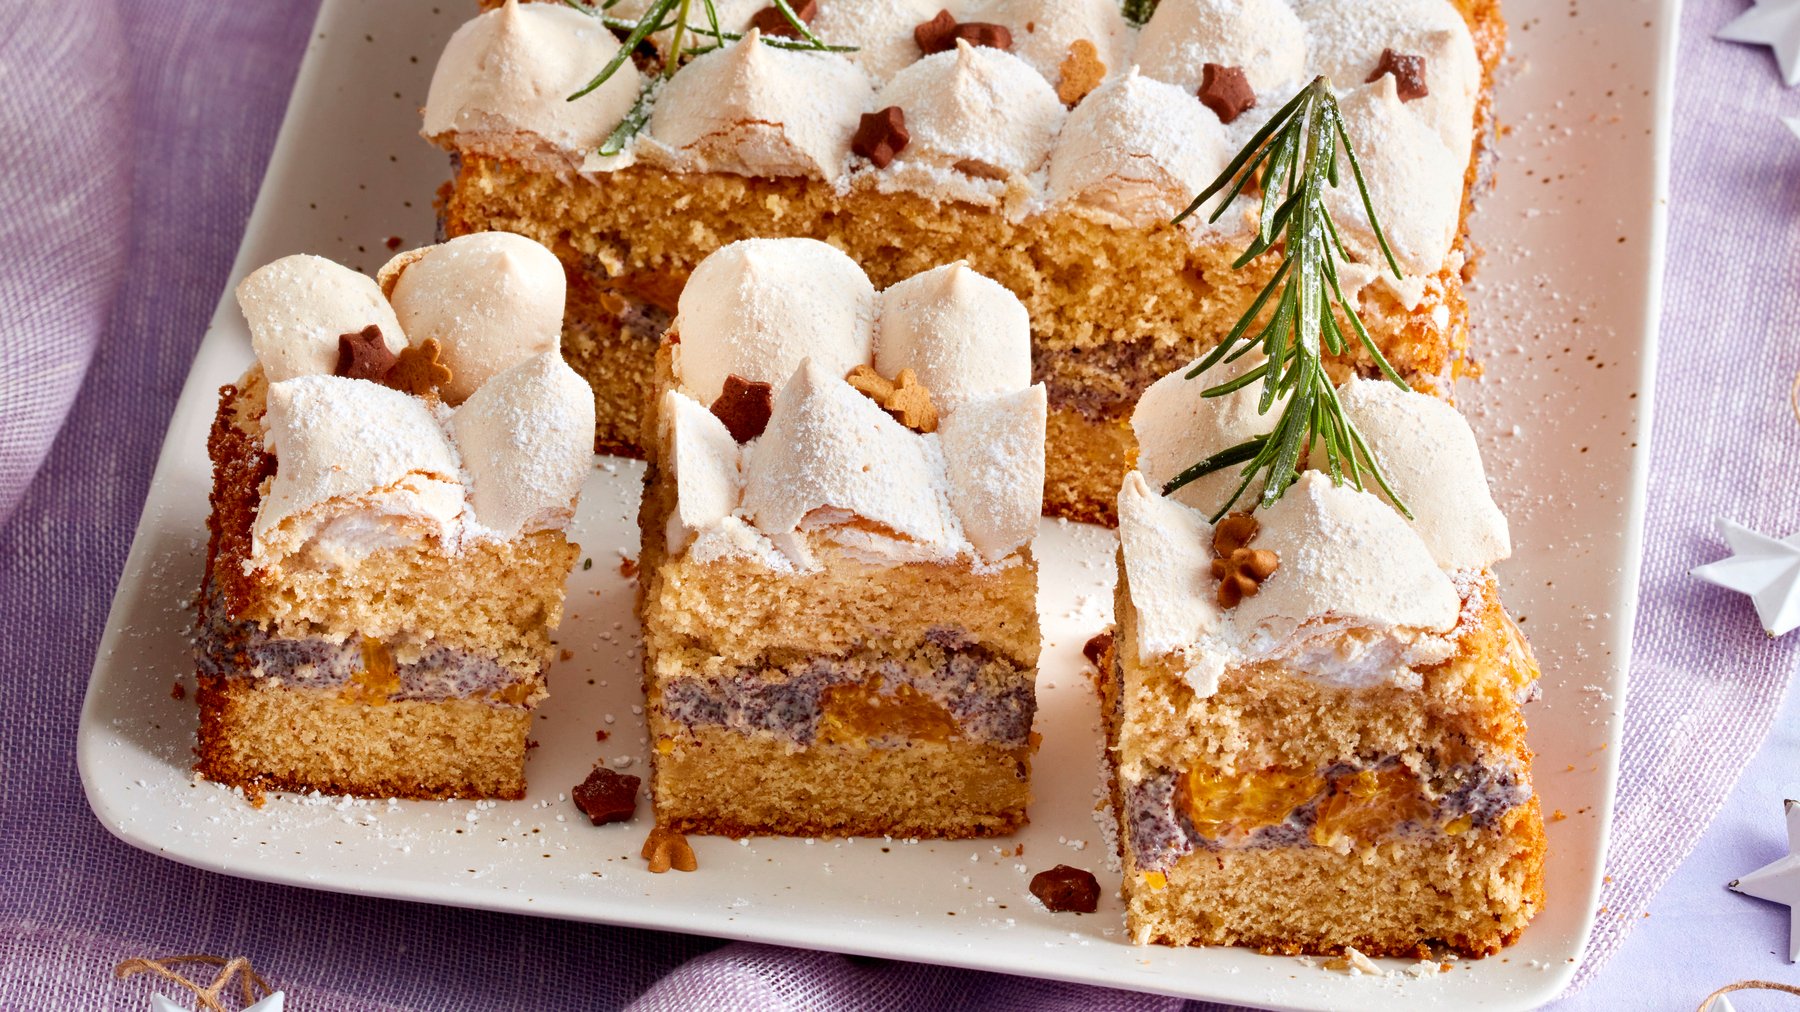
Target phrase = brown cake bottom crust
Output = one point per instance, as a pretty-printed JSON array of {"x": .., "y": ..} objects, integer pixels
[
  {"x": 263, "y": 737},
  {"x": 726, "y": 783}
]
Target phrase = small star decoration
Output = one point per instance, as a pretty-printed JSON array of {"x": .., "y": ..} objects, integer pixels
[
  {"x": 1772, "y": 23},
  {"x": 1779, "y": 882},
  {"x": 1768, "y": 569}
]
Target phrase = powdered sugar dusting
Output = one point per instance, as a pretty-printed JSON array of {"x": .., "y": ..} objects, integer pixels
[
  {"x": 759, "y": 111},
  {"x": 525, "y": 439},
  {"x": 299, "y": 305},
  {"x": 756, "y": 308},
  {"x": 798, "y": 314},
  {"x": 976, "y": 104}
]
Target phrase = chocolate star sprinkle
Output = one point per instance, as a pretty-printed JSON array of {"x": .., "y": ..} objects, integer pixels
[
  {"x": 1408, "y": 71},
  {"x": 881, "y": 135},
  {"x": 1226, "y": 91},
  {"x": 364, "y": 355},
  {"x": 744, "y": 406},
  {"x": 770, "y": 20}
]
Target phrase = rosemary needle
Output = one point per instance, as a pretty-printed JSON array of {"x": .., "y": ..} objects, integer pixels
[{"x": 664, "y": 15}]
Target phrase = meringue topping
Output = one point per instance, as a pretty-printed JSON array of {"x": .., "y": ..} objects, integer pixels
[
  {"x": 1429, "y": 456},
  {"x": 491, "y": 299},
  {"x": 1137, "y": 149},
  {"x": 1417, "y": 198},
  {"x": 1165, "y": 547},
  {"x": 1177, "y": 425},
  {"x": 962, "y": 332},
  {"x": 831, "y": 464},
  {"x": 299, "y": 306},
  {"x": 1263, "y": 37},
  {"x": 1043, "y": 31},
  {"x": 755, "y": 110},
  {"x": 994, "y": 459},
  {"x": 977, "y": 112},
  {"x": 1346, "y": 42},
  {"x": 346, "y": 446},
  {"x": 1345, "y": 554},
  {"x": 831, "y": 456},
  {"x": 526, "y": 441},
  {"x": 704, "y": 459},
  {"x": 758, "y": 307},
  {"x": 504, "y": 81},
  {"x": 1356, "y": 599},
  {"x": 881, "y": 31}
]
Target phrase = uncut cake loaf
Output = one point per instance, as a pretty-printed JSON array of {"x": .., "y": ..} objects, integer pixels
[
  {"x": 1313, "y": 712},
  {"x": 1048, "y": 143},
  {"x": 837, "y": 589},
  {"x": 392, "y": 483}
]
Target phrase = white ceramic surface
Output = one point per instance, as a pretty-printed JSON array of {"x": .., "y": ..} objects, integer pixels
[{"x": 1566, "y": 307}]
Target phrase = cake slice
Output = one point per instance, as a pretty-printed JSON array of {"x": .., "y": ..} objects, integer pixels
[
  {"x": 837, "y": 587},
  {"x": 1313, "y": 712},
  {"x": 1049, "y": 143},
  {"x": 392, "y": 482}
]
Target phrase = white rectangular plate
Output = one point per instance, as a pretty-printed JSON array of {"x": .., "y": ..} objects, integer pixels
[{"x": 1565, "y": 306}]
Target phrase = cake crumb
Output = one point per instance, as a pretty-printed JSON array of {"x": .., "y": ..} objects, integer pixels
[
  {"x": 664, "y": 848},
  {"x": 628, "y": 566},
  {"x": 1355, "y": 964},
  {"x": 179, "y": 691}
]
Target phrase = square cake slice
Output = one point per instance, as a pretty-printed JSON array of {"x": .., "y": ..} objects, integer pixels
[
  {"x": 1050, "y": 145},
  {"x": 1313, "y": 712},
  {"x": 392, "y": 481},
  {"x": 837, "y": 588}
]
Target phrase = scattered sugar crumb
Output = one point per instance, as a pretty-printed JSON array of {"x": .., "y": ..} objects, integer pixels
[{"x": 1355, "y": 964}]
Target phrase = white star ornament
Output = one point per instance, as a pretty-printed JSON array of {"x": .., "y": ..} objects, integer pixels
[
  {"x": 1779, "y": 881},
  {"x": 1772, "y": 23},
  {"x": 1768, "y": 569},
  {"x": 269, "y": 1003}
]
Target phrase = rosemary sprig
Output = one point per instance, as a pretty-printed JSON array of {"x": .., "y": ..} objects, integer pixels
[
  {"x": 632, "y": 123},
  {"x": 1138, "y": 11},
  {"x": 664, "y": 15},
  {"x": 1295, "y": 155}
]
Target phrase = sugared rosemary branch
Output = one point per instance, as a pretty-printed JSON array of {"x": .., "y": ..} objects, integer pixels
[
  {"x": 1295, "y": 155},
  {"x": 672, "y": 16},
  {"x": 1138, "y": 11}
]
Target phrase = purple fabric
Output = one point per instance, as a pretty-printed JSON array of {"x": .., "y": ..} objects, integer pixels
[{"x": 137, "y": 133}]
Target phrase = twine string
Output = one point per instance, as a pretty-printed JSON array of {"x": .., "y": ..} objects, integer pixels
[
  {"x": 1747, "y": 985},
  {"x": 210, "y": 995}
]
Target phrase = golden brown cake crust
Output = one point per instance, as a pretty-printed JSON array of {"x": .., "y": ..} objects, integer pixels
[
  {"x": 240, "y": 466},
  {"x": 262, "y": 738}
]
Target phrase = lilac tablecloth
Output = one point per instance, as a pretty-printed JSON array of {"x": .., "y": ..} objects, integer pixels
[{"x": 135, "y": 133}]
